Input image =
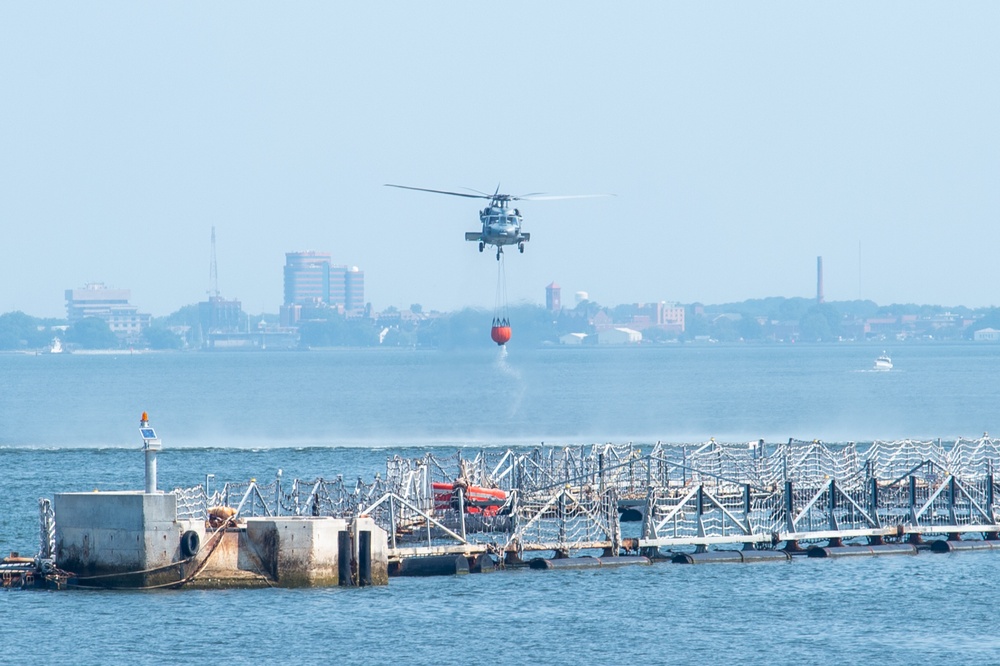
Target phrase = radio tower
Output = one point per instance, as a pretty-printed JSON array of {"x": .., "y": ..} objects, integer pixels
[{"x": 213, "y": 272}]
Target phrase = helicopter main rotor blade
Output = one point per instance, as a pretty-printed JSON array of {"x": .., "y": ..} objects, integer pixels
[
  {"x": 552, "y": 197},
  {"x": 485, "y": 195},
  {"x": 454, "y": 194}
]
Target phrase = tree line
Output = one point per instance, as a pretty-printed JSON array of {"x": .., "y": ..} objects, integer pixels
[{"x": 532, "y": 325}]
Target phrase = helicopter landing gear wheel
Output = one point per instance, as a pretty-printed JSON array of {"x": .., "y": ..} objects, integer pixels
[
  {"x": 520, "y": 248},
  {"x": 499, "y": 252},
  {"x": 481, "y": 246}
]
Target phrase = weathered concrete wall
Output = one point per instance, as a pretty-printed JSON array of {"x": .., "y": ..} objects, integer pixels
[
  {"x": 115, "y": 533},
  {"x": 297, "y": 551}
]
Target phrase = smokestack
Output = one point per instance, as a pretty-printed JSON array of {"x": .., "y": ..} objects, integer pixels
[{"x": 819, "y": 279}]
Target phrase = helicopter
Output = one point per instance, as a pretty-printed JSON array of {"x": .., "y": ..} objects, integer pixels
[{"x": 501, "y": 224}]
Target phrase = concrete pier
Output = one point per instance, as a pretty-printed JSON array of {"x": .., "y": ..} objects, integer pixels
[{"x": 136, "y": 540}]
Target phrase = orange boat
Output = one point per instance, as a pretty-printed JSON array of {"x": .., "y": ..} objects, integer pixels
[{"x": 485, "y": 501}]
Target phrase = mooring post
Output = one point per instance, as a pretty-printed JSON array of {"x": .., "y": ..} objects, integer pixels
[{"x": 345, "y": 549}]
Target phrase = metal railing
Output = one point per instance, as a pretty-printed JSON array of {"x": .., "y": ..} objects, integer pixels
[{"x": 571, "y": 498}]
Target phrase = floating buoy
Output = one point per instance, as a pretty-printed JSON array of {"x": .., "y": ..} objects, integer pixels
[{"x": 500, "y": 331}]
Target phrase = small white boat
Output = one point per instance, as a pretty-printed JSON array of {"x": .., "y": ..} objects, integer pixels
[{"x": 883, "y": 362}]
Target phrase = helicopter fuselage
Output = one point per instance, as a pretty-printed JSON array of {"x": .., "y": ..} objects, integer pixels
[{"x": 501, "y": 226}]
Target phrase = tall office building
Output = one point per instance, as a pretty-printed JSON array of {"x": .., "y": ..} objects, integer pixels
[
  {"x": 313, "y": 285},
  {"x": 307, "y": 278},
  {"x": 338, "y": 285}
]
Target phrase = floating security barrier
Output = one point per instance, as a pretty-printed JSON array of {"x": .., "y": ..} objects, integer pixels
[
  {"x": 765, "y": 555},
  {"x": 718, "y": 556},
  {"x": 587, "y": 562},
  {"x": 950, "y": 546},
  {"x": 565, "y": 563},
  {"x": 432, "y": 565},
  {"x": 854, "y": 551},
  {"x": 624, "y": 560}
]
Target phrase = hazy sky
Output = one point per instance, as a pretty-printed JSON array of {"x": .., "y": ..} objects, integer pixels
[{"x": 742, "y": 140}]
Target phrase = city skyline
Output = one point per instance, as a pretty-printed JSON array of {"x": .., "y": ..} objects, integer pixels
[
  {"x": 563, "y": 301},
  {"x": 740, "y": 141},
  {"x": 573, "y": 298}
]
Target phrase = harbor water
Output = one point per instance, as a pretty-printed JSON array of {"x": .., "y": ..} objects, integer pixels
[{"x": 69, "y": 423}]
